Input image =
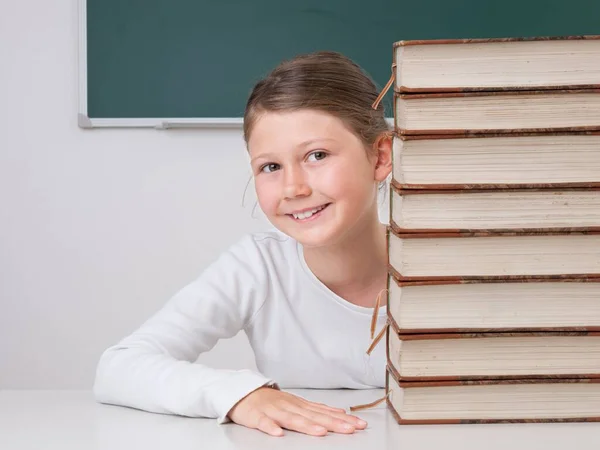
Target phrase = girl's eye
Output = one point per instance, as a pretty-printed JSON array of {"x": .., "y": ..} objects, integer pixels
[
  {"x": 318, "y": 155},
  {"x": 272, "y": 167}
]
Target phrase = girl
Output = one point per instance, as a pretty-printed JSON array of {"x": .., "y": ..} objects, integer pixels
[{"x": 303, "y": 293}]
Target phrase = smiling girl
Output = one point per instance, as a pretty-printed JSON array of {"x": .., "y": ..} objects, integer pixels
[{"x": 303, "y": 293}]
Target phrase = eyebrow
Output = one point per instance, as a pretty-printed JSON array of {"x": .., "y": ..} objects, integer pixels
[{"x": 301, "y": 145}]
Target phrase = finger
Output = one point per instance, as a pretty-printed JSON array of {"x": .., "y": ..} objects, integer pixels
[
  {"x": 327, "y": 420},
  {"x": 268, "y": 426},
  {"x": 323, "y": 406},
  {"x": 297, "y": 422},
  {"x": 338, "y": 412},
  {"x": 354, "y": 420}
]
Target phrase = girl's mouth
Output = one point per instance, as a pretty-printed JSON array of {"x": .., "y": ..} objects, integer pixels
[{"x": 311, "y": 215}]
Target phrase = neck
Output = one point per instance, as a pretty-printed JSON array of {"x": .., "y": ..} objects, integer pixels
[{"x": 356, "y": 268}]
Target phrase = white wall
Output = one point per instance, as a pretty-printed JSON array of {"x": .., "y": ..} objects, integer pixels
[{"x": 98, "y": 228}]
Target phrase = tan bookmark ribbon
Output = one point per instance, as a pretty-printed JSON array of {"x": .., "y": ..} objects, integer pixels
[
  {"x": 370, "y": 405},
  {"x": 372, "y": 347},
  {"x": 376, "y": 340},
  {"x": 376, "y": 312},
  {"x": 374, "y": 323},
  {"x": 386, "y": 88}
]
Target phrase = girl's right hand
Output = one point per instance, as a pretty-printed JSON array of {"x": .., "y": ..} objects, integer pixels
[{"x": 270, "y": 410}]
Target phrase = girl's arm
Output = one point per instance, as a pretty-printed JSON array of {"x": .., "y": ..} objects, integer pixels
[{"x": 153, "y": 369}]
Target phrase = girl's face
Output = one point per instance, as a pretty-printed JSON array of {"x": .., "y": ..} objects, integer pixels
[{"x": 314, "y": 179}]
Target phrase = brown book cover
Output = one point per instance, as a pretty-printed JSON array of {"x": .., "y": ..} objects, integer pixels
[
  {"x": 445, "y": 188},
  {"x": 472, "y": 232},
  {"x": 407, "y": 331},
  {"x": 449, "y": 188},
  {"x": 499, "y": 39},
  {"x": 390, "y": 372},
  {"x": 486, "y": 233},
  {"x": 483, "y": 234},
  {"x": 401, "y": 282},
  {"x": 514, "y": 133},
  {"x": 394, "y": 328},
  {"x": 403, "y": 43},
  {"x": 534, "y": 188}
]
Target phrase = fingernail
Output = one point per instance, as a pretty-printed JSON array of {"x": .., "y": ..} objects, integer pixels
[
  {"x": 362, "y": 423},
  {"x": 319, "y": 429}
]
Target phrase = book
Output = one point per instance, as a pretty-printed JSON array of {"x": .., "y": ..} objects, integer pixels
[
  {"x": 492, "y": 401},
  {"x": 494, "y": 236},
  {"x": 521, "y": 254},
  {"x": 472, "y": 356},
  {"x": 529, "y": 304},
  {"x": 497, "y": 161},
  {"x": 498, "y": 111},
  {"x": 496, "y": 210},
  {"x": 502, "y": 63}
]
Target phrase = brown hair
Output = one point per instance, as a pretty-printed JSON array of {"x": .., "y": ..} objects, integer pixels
[{"x": 325, "y": 81}]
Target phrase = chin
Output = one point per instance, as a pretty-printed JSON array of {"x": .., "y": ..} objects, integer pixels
[
  {"x": 316, "y": 238},
  {"x": 312, "y": 242}
]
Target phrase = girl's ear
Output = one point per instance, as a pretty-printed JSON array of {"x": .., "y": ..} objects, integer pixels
[{"x": 382, "y": 148}]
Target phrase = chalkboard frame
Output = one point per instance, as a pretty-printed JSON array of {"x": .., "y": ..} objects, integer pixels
[
  {"x": 105, "y": 110},
  {"x": 84, "y": 121}
]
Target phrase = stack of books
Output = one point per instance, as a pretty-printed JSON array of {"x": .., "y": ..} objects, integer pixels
[{"x": 494, "y": 237}]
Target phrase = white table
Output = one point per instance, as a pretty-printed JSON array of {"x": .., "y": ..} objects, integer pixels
[{"x": 71, "y": 420}]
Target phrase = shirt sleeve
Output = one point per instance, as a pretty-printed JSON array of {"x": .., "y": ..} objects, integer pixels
[{"x": 153, "y": 369}]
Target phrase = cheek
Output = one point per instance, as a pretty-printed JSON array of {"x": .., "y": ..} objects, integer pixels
[
  {"x": 267, "y": 195},
  {"x": 346, "y": 180}
]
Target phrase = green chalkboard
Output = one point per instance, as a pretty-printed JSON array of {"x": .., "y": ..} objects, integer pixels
[{"x": 199, "y": 59}]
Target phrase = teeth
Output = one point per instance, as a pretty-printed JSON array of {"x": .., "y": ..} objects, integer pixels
[{"x": 307, "y": 214}]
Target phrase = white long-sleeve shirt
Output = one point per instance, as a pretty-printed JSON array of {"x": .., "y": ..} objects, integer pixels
[{"x": 303, "y": 336}]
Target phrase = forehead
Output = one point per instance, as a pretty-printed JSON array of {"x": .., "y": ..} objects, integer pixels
[{"x": 279, "y": 131}]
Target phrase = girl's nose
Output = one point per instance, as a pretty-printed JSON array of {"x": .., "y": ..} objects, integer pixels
[{"x": 296, "y": 184}]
